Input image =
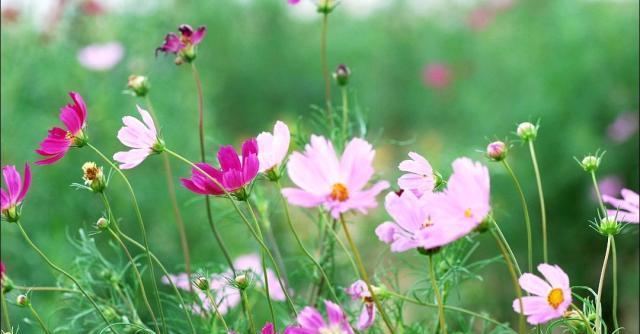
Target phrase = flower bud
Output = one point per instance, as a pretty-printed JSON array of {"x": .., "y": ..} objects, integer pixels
[
  {"x": 22, "y": 300},
  {"x": 11, "y": 214},
  {"x": 609, "y": 226},
  {"x": 341, "y": 75},
  {"x": 102, "y": 223},
  {"x": 497, "y": 150},
  {"x": 326, "y": 6},
  {"x": 241, "y": 281},
  {"x": 93, "y": 176},
  {"x": 138, "y": 85},
  {"x": 590, "y": 163},
  {"x": 527, "y": 131},
  {"x": 7, "y": 284},
  {"x": 201, "y": 283}
]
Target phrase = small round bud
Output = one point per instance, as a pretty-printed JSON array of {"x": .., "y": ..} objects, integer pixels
[
  {"x": 93, "y": 176},
  {"x": 341, "y": 75},
  {"x": 497, "y": 150},
  {"x": 22, "y": 300},
  {"x": 326, "y": 6},
  {"x": 241, "y": 281},
  {"x": 590, "y": 163},
  {"x": 138, "y": 85},
  {"x": 201, "y": 283},
  {"x": 102, "y": 223},
  {"x": 609, "y": 226},
  {"x": 158, "y": 147},
  {"x": 527, "y": 131}
]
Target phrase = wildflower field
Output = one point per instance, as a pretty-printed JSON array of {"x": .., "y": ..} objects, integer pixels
[{"x": 320, "y": 166}]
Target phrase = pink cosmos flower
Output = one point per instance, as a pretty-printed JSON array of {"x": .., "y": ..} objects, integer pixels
[
  {"x": 293, "y": 2},
  {"x": 234, "y": 173},
  {"x": 550, "y": 298},
  {"x": 624, "y": 126},
  {"x": 273, "y": 148},
  {"x": 626, "y": 208},
  {"x": 141, "y": 137},
  {"x": 437, "y": 75},
  {"x": 310, "y": 321},
  {"x": 419, "y": 177},
  {"x": 359, "y": 291},
  {"x": 101, "y": 57},
  {"x": 59, "y": 141},
  {"x": 184, "y": 45},
  {"x": 16, "y": 190},
  {"x": 268, "y": 329},
  {"x": 336, "y": 184}
]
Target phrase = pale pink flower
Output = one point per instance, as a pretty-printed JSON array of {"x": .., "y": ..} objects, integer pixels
[
  {"x": 101, "y": 57},
  {"x": 310, "y": 321},
  {"x": 273, "y": 148},
  {"x": 624, "y": 126},
  {"x": 252, "y": 262},
  {"x": 419, "y": 177},
  {"x": 550, "y": 298},
  {"x": 141, "y": 137},
  {"x": 626, "y": 208},
  {"x": 359, "y": 291},
  {"x": 437, "y": 75},
  {"x": 336, "y": 184}
]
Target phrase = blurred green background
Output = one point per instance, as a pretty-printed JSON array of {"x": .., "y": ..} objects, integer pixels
[{"x": 573, "y": 65}]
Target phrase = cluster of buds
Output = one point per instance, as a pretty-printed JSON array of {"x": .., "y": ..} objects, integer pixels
[
  {"x": 527, "y": 131},
  {"x": 138, "y": 85},
  {"x": 93, "y": 177}
]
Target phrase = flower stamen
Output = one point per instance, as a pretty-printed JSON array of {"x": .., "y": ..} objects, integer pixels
[
  {"x": 555, "y": 298},
  {"x": 339, "y": 192}
]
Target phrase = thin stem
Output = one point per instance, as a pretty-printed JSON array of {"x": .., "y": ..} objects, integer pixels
[
  {"x": 354, "y": 266},
  {"x": 614, "y": 260},
  {"x": 134, "y": 266},
  {"x": 600, "y": 285},
  {"x": 66, "y": 274},
  {"x": 345, "y": 113},
  {"x": 325, "y": 67},
  {"x": 215, "y": 307},
  {"x": 216, "y": 234},
  {"x": 449, "y": 308},
  {"x": 37, "y": 316},
  {"x": 436, "y": 292},
  {"x": 514, "y": 277},
  {"x": 597, "y": 189},
  {"x": 272, "y": 242},
  {"x": 142, "y": 230},
  {"x": 365, "y": 276},
  {"x": 247, "y": 310},
  {"x": 586, "y": 321},
  {"x": 504, "y": 241},
  {"x": 196, "y": 78},
  {"x": 525, "y": 209},
  {"x": 543, "y": 211},
  {"x": 285, "y": 205},
  {"x": 125, "y": 298},
  {"x": 45, "y": 289},
  {"x": 5, "y": 311}
]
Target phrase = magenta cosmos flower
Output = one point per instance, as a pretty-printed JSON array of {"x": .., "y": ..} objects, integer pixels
[
  {"x": 59, "y": 140},
  {"x": 141, "y": 137},
  {"x": 336, "y": 184},
  {"x": 310, "y": 321},
  {"x": 16, "y": 190},
  {"x": 234, "y": 173},
  {"x": 550, "y": 298},
  {"x": 626, "y": 208},
  {"x": 419, "y": 177},
  {"x": 184, "y": 46},
  {"x": 359, "y": 291},
  {"x": 273, "y": 147}
]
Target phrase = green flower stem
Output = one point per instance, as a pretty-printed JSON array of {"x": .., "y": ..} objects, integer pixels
[
  {"x": 215, "y": 307},
  {"x": 247, "y": 311},
  {"x": 246, "y": 222},
  {"x": 543, "y": 211},
  {"x": 503, "y": 240},
  {"x": 586, "y": 321},
  {"x": 37, "y": 316},
  {"x": 171, "y": 188},
  {"x": 448, "y": 308},
  {"x": 325, "y": 67},
  {"x": 5, "y": 312},
  {"x": 285, "y": 205},
  {"x": 365, "y": 276},
  {"x": 597, "y": 189},
  {"x": 514, "y": 276},
  {"x": 45, "y": 289},
  {"x": 600, "y": 285},
  {"x": 436, "y": 292},
  {"x": 525, "y": 208},
  {"x": 345, "y": 113},
  {"x": 354, "y": 266},
  {"x": 63, "y": 272},
  {"x": 131, "y": 261},
  {"x": 127, "y": 300},
  {"x": 142, "y": 230}
]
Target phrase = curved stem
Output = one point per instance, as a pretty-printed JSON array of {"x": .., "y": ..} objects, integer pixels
[
  {"x": 525, "y": 208},
  {"x": 345, "y": 113},
  {"x": 543, "y": 211},
  {"x": 285, "y": 205},
  {"x": 134, "y": 201},
  {"x": 215, "y": 307},
  {"x": 365, "y": 276},
  {"x": 436, "y": 292},
  {"x": 614, "y": 264},
  {"x": 586, "y": 321},
  {"x": 514, "y": 277},
  {"x": 66, "y": 274},
  {"x": 600, "y": 285},
  {"x": 5, "y": 312},
  {"x": 504, "y": 242},
  {"x": 247, "y": 309},
  {"x": 37, "y": 316},
  {"x": 325, "y": 67}
]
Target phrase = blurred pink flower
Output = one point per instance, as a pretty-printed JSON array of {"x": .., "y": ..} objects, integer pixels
[
  {"x": 310, "y": 321},
  {"x": 336, "y": 184},
  {"x": 609, "y": 185},
  {"x": 293, "y": 2},
  {"x": 252, "y": 262},
  {"x": 233, "y": 175},
  {"x": 437, "y": 75},
  {"x": 627, "y": 208},
  {"x": 273, "y": 148},
  {"x": 101, "y": 57},
  {"x": 3, "y": 269},
  {"x": 359, "y": 291},
  {"x": 549, "y": 299},
  {"x": 92, "y": 7},
  {"x": 141, "y": 137},
  {"x": 624, "y": 126},
  {"x": 59, "y": 141},
  {"x": 480, "y": 18},
  {"x": 16, "y": 190},
  {"x": 419, "y": 177}
]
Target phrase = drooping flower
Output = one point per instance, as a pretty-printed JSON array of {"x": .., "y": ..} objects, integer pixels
[
  {"x": 184, "y": 46},
  {"x": 310, "y": 321},
  {"x": 437, "y": 75},
  {"x": 549, "y": 299},
  {"x": 359, "y": 291},
  {"x": 16, "y": 190},
  {"x": 234, "y": 173},
  {"x": 141, "y": 137},
  {"x": 627, "y": 208},
  {"x": 336, "y": 184},
  {"x": 273, "y": 148},
  {"x": 419, "y": 177},
  {"x": 101, "y": 57},
  {"x": 59, "y": 140}
]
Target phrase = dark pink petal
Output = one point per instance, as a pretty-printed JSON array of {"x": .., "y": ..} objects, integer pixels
[
  {"x": 293, "y": 2},
  {"x": 70, "y": 119},
  {"x": 5, "y": 202},
  {"x": 25, "y": 184},
  {"x": 80, "y": 107},
  {"x": 187, "y": 183},
  {"x": 228, "y": 158},
  {"x": 198, "y": 35},
  {"x": 268, "y": 329},
  {"x": 250, "y": 168},
  {"x": 185, "y": 30},
  {"x": 12, "y": 180},
  {"x": 232, "y": 180},
  {"x": 250, "y": 146},
  {"x": 298, "y": 330},
  {"x": 172, "y": 44},
  {"x": 50, "y": 160}
]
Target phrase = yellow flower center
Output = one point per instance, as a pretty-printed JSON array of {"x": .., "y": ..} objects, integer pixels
[
  {"x": 69, "y": 135},
  {"x": 339, "y": 192},
  {"x": 555, "y": 298},
  {"x": 428, "y": 222},
  {"x": 91, "y": 171},
  {"x": 468, "y": 213}
]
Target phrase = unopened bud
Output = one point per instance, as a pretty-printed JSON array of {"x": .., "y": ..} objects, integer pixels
[
  {"x": 201, "y": 283},
  {"x": 497, "y": 151},
  {"x": 326, "y": 6},
  {"x": 590, "y": 163},
  {"x": 138, "y": 85},
  {"x": 609, "y": 226},
  {"x": 22, "y": 300},
  {"x": 527, "y": 131},
  {"x": 342, "y": 74},
  {"x": 102, "y": 223},
  {"x": 241, "y": 281}
]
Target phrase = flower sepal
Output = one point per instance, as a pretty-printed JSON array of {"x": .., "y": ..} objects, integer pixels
[{"x": 12, "y": 214}]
